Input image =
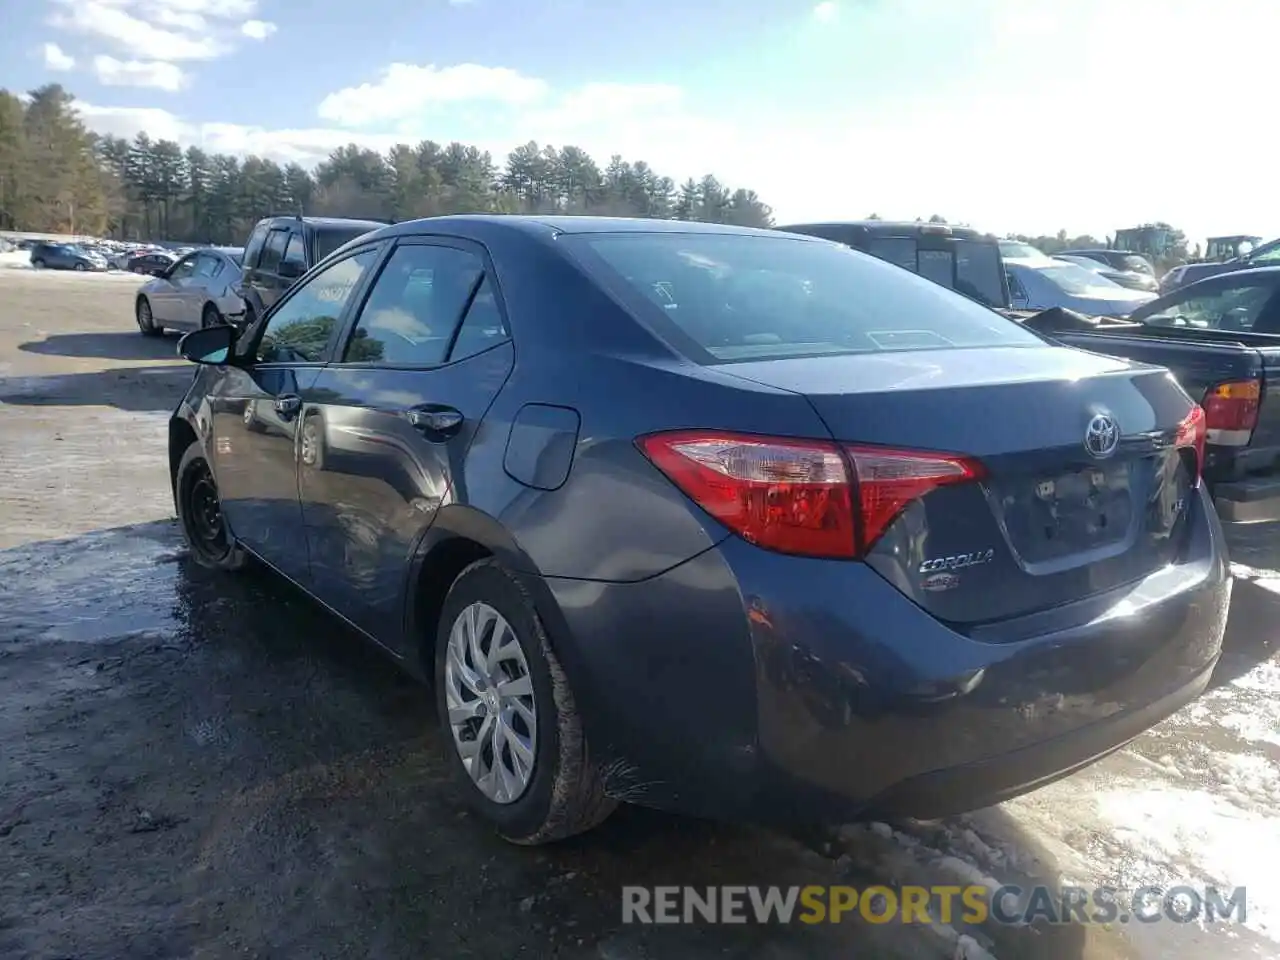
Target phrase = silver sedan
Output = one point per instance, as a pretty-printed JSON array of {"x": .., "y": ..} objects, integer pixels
[{"x": 197, "y": 291}]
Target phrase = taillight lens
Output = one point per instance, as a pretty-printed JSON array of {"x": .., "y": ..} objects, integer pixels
[
  {"x": 888, "y": 480},
  {"x": 1191, "y": 434},
  {"x": 807, "y": 497},
  {"x": 1231, "y": 412}
]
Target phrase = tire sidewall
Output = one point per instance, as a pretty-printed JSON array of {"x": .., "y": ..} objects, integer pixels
[
  {"x": 486, "y": 581},
  {"x": 148, "y": 328},
  {"x": 209, "y": 316}
]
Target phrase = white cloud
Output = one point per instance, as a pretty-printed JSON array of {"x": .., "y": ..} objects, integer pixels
[
  {"x": 55, "y": 58},
  {"x": 156, "y": 74},
  {"x": 407, "y": 90},
  {"x": 116, "y": 24},
  {"x": 257, "y": 29},
  {"x": 826, "y": 11}
]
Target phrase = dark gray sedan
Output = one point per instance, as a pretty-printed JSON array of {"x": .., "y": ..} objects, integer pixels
[{"x": 724, "y": 521}]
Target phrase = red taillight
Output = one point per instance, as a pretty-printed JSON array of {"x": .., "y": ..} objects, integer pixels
[
  {"x": 1231, "y": 412},
  {"x": 799, "y": 496},
  {"x": 1192, "y": 433},
  {"x": 888, "y": 480}
]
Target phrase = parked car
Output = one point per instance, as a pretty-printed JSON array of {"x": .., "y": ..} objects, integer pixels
[
  {"x": 64, "y": 256},
  {"x": 1267, "y": 255},
  {"x": 1220, "y": 338},
  {"x": 959, "y": 258},
  {"x": 151, "y": 263},
  {"x": 1131, "y": 279},
  {"x": 282, "y": 249},
  {"x": 1127, "y": 260},
  {"x": 1053, "y": 283},
  {"x": 196, "y": 291},
  {"x": 880, "y": 549}
]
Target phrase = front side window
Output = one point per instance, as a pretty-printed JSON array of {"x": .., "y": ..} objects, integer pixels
[
  {"x": 184, "y": 269},
  {"x": 299, "y": 330},
  {"x": 746, "y": 297},
  {"x": 1232, "y": 308},
  {"x": 415, "y": 306}
]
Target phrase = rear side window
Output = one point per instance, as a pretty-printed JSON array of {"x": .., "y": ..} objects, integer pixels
[
  {"x": 274, "y": 250},
  {"x": 750, "y": 297},
  {"x": 295, "y": 252},
  {"x": 415, "y": 306},
  {"x": 331, "y": 238}
]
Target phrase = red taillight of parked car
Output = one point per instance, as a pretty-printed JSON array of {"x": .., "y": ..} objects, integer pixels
[
  {"x": 806, "y": 497},
  {"x": 1231, "y": 412},
  {"x": 1191, "y": 434}
]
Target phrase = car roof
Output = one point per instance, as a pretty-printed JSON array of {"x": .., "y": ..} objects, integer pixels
[
  {"x": 327, "y": 222},
  {"x": 550, "y": 226},
  {"x": 893, "y": 227}
]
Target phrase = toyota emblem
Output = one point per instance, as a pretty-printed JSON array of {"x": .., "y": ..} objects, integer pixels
[{"x": 1102, "y": 436}]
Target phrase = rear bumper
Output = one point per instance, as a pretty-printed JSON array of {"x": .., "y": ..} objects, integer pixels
[
  {"x": 744, "y": 684},
  {"x": 1248, "y": 501}
]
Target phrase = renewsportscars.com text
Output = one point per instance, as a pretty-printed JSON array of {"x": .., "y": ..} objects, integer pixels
[{"x": 1009, "y": 905}]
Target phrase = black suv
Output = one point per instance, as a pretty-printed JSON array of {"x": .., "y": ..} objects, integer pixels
[
  {"x": 282, "y": 249},
  {"x": 961, "y": 258}
]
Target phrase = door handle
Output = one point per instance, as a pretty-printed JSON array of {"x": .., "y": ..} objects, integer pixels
[
  {"x": 288, "y": 405},
  {"x": 438, "y": 423}
]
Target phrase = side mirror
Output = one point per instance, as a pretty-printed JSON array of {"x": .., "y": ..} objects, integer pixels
[
  {"x": 210, "y": 346},
  {"x": 290, "y": 269}
]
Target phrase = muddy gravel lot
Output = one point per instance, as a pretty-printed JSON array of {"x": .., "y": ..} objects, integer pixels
[{"x": 205, "y": 767}]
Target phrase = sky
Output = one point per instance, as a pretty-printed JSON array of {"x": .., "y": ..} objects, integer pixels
[{"x": 1024, "y": 116}]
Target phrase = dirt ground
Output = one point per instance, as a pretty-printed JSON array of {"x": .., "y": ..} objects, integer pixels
[{"x": 203, "y": 767}]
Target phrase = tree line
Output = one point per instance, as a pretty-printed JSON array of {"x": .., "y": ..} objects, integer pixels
[{"x": 56, "y": 176}]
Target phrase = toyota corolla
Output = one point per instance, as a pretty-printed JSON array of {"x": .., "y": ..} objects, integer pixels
[{"x": 723, "y": 521}]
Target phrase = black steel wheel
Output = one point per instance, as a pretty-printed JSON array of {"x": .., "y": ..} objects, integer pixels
[{"x": 200, "y": 513}]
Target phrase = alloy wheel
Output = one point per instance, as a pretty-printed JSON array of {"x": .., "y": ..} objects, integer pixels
[
  {"x": 489, "y": 696},
  {"x": 145, "y": 322}
]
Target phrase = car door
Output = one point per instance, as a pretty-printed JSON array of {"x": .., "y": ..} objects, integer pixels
[
  {"x": 387, "y": 425},
  {"x": 166, "y": 295},
  {"x": 195, "y": 291},
  {"x": 256, "y": 408}
]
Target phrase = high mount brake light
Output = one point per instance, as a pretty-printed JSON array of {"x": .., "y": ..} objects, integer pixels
[
  {"x": 1231, "y": 412},
  {"x": 1192, "y": 433},
  {"x": 811, "y": 498}
]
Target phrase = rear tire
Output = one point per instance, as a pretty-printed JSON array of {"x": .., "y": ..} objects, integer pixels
[
  {"x": 80, "y": 268},
  {"x": 563, "y": 791},
  {"x": 200, "y": 515},
  {"x": 37, "y": 264}
]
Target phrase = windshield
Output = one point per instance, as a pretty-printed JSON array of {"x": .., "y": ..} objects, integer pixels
[
  {"x": 1014, "y": 250},
  {"x": 748, "y": 297},
  {"x": 1071, "y": 278}
]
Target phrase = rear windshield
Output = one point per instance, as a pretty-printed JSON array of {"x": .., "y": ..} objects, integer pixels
[
  {"x": 330, "y": 239},
  {"x": 755, "y": 297},
  {"x": 236, "y": 258},
  {"x": 1072, "y": 278},
  {"x": 1136, "y": 264}
]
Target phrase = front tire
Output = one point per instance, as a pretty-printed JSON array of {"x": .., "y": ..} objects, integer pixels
[
  {"x": 210, "y": 316},
  {"x": 146, "y": 321},
  {"x": 508, "y": 718},
  {"x": 200, "y": 514}
]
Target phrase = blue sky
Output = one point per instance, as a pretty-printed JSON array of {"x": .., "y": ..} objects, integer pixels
[{"x": 1028, "y": 115}]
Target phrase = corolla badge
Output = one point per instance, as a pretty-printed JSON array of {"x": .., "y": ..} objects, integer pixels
[
  {"x": 957, "y": 562},
  {"x": 1102, "y": 436}
]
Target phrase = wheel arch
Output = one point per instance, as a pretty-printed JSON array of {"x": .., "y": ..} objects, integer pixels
[
  {"x": 181, "y": 435},
  {"x": 460, "y": 536}
]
